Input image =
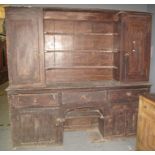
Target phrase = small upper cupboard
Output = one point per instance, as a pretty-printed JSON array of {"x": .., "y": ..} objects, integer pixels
[
  {"x": 25, "y": 46},
  {"x": 136, "y": 47}
]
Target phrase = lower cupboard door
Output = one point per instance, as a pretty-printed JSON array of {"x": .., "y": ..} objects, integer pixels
[
  {"x": 33, "y": 127},
  {"x": 131, "y": 122},
  {"x": 119, "y": 123}
]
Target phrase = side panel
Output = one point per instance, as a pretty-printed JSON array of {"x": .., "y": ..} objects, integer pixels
[{"x": 146, "y": 126}]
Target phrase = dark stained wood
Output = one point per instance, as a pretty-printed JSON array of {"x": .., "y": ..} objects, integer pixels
[
  {"x": 80, "y": 123},
  {"x": 72, "y": 36},
  {"x": 126, "y": 95},
  {"x": 33, "y": 129},
  {"x": 33, "y": 100},
  {"x": 131, "y": 116},
  {"x": 78, "y": 16},
  {"x": 83, "y": 97},
  {"x": 80, "y": 42},
  {"x": 70, "y": 69},
  {"x": 122, "y": 120},
  {"x": 83, "y": 27},
  {"x": 75, "y": 75},
  {"x": 58, "y": 42},
  {"x": 81, "y": 118},
  {"x": 136, "y": 47},
  {"x": 62, "y": 26},
  {"x": 118, "y": 53},
  {"x": 94, "y": 42},
  {"x": 61, "y": 59},
  {"x": 53, "y": 26},
  {"x": 27, "y": 56},
  {"x": 118, "y": 115}
]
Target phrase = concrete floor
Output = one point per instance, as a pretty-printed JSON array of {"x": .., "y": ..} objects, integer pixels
[{"x": 73, "y": 141}]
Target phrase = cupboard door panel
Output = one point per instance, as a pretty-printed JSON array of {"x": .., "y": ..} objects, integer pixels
[
  {"x": 35, "y": 127},
  {"x": 131, "y": 121},
  {"x": 137, "y": 47},
  {"x": 118, "y": 114},
  {"x": 24, "y": 46}
]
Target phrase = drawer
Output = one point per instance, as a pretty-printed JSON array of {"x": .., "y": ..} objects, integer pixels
[
  {"x": 30, "y": 100},
  {"x": 125, "y": 95},
  {"x": 83, "y": 97}
]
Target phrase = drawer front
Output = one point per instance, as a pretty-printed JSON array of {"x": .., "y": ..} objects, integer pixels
[
  {"x": 125, "y": 95},
  {"x": 83, "y": 97},
  {"x": 30, "y": 100}
]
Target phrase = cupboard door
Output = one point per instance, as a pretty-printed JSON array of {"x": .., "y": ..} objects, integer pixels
[
  {"x": 131, "y": 118},
  {"x": 136, "y": 47},
  {"x": 36, "y": 126},
  {"x": 24, "y": 41},
  {"x": 118, "y": 116}
]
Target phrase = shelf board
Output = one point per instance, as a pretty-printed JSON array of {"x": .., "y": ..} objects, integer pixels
[
  {"x": 82, "y": 51},
  {"x": 82, "y": 67},
  {"x": 97, "y": 34}
]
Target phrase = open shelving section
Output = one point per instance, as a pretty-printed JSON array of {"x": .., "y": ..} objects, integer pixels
[{"x": 80, "y": 49}]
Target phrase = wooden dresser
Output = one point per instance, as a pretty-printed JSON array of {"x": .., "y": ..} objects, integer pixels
[
  {"x": 146, "y": 123},
  {"x": 75, "y": 69}
]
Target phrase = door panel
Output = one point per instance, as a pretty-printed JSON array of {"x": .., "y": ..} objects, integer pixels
[
  {"x": 35, "y": 126},
  {"x": 24, "y": 46},
  {"x": 136, "y": 47}
]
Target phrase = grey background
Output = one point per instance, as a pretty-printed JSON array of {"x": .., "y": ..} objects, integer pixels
[{"x": 132, "y": 7}]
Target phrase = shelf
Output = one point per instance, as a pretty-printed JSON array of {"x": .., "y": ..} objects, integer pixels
[
  {"x": 97, "y": 34},
  {"x": 82, "y": 67},
  {"x": 81, "y": 51}
]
